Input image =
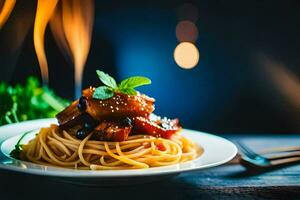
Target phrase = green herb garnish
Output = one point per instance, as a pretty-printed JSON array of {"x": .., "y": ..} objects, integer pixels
[
  {"x": 110, "y": 85},
  {"x": 18, "y": 147}
]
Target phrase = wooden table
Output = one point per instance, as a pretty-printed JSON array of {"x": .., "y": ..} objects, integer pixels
[{"x": 230, "y": 181}]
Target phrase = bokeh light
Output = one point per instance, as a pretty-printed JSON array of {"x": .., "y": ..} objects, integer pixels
[
  {"x": 186, "y": 55},
  {"x": 186, "y": 31}
]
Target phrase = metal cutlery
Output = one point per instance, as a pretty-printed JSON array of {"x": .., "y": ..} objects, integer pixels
[{"x": 270, "y": 158}]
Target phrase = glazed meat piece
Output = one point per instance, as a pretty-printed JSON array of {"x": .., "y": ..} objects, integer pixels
[
  {"x": 70, "y": 114},
  {"x": 75, "y": 115},
  {"x": 120, "y": 105},
  {"x": 115, "y": 131},
  {"x": 156, "y": 126}
]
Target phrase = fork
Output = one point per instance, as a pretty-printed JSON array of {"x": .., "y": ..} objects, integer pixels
[{"x": 252, "y": 160}]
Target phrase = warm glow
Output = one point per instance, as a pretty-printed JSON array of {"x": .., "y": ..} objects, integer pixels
[
  {"x": 57, "y": 28},
  {"x": 76, "y": 18},
  {"x": 186, "y": 31},
  {"x": 285, "y": 81},
  {"x": 44, "y": 11},
  {"x": 6, "y": 10},
  {"x": 186, "y": 55}
]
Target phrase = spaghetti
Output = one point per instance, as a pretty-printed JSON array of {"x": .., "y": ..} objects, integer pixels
[
  {"x": 110, "y": 127},
  {"x": 56, "y": 147}
]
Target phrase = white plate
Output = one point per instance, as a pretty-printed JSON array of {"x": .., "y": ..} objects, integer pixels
[{"x": 217, "y": 151}]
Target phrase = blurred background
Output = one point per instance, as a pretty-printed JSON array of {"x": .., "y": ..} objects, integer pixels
[{"x": 245, "y": 79}]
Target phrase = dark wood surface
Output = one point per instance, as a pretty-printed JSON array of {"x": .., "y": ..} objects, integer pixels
[{"x": 230, "y": 181}]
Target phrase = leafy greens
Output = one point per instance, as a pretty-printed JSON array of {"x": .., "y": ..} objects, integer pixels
[{"x": 29, "y": 101}]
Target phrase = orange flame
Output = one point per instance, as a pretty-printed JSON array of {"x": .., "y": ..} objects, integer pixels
[
  {"x": 76, "y": 18},
  {"x": 57, "y": 28},
  {"x": 44, "y": 11},
  {"x": 6, "y": 11}
]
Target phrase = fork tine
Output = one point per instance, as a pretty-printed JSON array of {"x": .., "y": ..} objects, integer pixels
[
  {"x": 252, "y": 160},
  {"x": 282, "y": 155},
  {"x": 245, "y": 150},
  {"x": 280, "y": 149},
  {"x": 285, "y": 161}
]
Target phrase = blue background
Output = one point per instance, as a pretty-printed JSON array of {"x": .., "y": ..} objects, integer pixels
[{"x": 228, "y": 91}]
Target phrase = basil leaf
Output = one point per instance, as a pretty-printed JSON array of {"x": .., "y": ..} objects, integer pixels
[
  {"x": 129, "y": 91},
  {"x": 107, "y": 79},
  {"x": 103, "y": 92},
  {"x": 134, "y": 81},
  {"x": 126, "y": 86}
]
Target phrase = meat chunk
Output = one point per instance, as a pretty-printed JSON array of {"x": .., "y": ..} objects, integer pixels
[
  {"x": 156, "y": 126},
  {"x": 120, "y": 105},
  {"x": 116, "y": 131},
  {"x": 70, "y": 114}
]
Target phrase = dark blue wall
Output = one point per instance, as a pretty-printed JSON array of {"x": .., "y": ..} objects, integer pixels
[{"x": 228, "y": 91}]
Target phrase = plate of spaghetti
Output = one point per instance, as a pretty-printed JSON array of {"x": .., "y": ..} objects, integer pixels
[{"x": 111, "y": 131}]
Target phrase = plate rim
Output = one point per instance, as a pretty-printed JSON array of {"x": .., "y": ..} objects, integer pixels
[{"x": 93, "y": 174}]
